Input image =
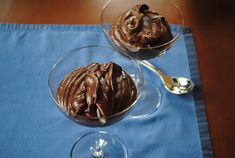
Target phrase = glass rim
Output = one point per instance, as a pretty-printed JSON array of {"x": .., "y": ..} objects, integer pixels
[
  {"x": 139, "y": 90},
  {"x": 147, "y": 48}
]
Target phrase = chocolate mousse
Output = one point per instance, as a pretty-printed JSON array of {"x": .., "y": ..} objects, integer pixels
[
  {"x": 95, "y": 92},
  {"x": 138, "y": 29}
]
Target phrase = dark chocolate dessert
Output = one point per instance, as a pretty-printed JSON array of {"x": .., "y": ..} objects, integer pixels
[
  {"x": 95, "y": 92},
  {"x": 139, "y": 28}
]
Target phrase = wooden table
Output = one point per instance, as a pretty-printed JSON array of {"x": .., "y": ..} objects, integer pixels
[{"x": 213, "y": 25}]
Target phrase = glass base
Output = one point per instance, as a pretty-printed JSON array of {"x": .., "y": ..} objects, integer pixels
[
  {"x": 148, "y": 102},
  {"x": 109, "y": 146}
]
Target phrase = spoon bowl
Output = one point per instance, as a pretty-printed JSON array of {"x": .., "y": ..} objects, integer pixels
[{"x": 179, "y": 85}]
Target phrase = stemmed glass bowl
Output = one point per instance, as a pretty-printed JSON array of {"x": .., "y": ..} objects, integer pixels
[
  {"x": 173, "y": 15},
  {"x": 98, "y": 144}
]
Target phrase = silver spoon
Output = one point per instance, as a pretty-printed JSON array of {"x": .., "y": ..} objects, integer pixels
[{"x": 176, "y": 85}]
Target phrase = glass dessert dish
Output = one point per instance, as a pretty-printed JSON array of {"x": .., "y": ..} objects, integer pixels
[
  {"x": 142, "y": 29},
  {"x": 87, "y": 85}
]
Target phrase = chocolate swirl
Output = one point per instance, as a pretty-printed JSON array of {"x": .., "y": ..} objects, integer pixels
[
  {"x": 96, "y": 90},
  {"x": 140, "y": 27}
]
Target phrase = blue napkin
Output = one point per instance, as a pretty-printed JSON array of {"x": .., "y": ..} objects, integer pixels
[{"x": 31, "y": 126}]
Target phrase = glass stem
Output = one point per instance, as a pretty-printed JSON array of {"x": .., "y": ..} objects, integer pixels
[
  {"x": 138, "y": 62},
  {"x": 97, "y": 150}
]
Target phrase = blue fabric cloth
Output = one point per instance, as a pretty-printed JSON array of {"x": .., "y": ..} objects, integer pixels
[{"x": 31, "y": 126}]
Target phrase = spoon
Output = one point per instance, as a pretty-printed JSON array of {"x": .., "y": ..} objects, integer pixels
[{"x": 176, "y": 85}]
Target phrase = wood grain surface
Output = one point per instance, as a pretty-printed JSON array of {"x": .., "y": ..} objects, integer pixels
[{"x": 213, "y": 26}]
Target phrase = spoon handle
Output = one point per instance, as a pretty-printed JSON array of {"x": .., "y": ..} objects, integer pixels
[{"x": 153, "y": 68}]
